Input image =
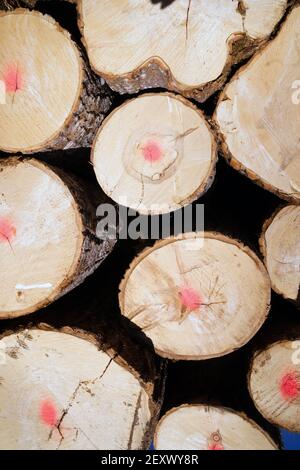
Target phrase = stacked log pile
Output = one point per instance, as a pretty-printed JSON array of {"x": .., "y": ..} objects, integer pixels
[{"x": 95, "y": 331}]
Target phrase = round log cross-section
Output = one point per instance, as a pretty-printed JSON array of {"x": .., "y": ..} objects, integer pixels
[{"x": 197, "y": 296}]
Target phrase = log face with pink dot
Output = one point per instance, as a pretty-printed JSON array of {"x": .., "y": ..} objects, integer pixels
[
  {"x": 42, "y": 76},
  {"x": 155, "y": 154},
  {"x": 205, "y": 427},
  {"x": 40, "y": 236},
  {"x": 274, "y": 384},
  {"x": 196, "y": 305}
]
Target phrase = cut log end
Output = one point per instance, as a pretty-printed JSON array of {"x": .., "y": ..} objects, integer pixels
[
  {"x": 198, "y": 297},
  {"x": 280, "y": 245},
  {"x": 129, "y": 44},
  {"x": 70, "y": 395},
  {"x": 155, "y": 154},
  {"x": 274, "y": 384},
  {"x": 203, "y": 427},
  {"x": 258, "y": 115},
  {"x": 43, "y": 247}
]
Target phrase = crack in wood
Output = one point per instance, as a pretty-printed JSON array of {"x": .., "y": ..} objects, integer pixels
[
  {"x": 187, "y": 20},
  {"x": 72, "y": 399},
  {"x": 186, "y": 133},
  {"x": 135, "y": 420},
  {"x": 242, "y": 10}
]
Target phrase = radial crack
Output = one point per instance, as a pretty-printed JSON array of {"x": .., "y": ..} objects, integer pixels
[
  {"x": 72, "y": 399},
  {"x": 187, "y": 21},
  {"x": 135, "y": 420}
]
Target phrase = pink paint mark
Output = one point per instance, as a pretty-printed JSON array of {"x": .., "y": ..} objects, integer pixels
[
  {"x": 290, "y": 386},
  {"x": 13, "y": 78},
  {"x": 189, "y": 298},
  {"x": 7, "y": 230},
  {"x": 48, "y": 413},
  {"x": 152, "y": 152},
  {"x": 215, "y": 446}
]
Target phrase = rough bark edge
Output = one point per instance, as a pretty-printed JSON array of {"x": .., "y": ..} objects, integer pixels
[
  {"x": 263, "y": 249},
  {"x": 90, "y": 106},
  {"x": 94, "y": 104},
  {"x": 209, "y": 178},
  {"x": 91, "y": 251},
  {"x": 221, "y": 138},
  {"x": 155, "y": 73},
  {"x": 256, "y": 353},
  {"x": 154, "y": 388},
  {"x": 190, "y": 236},
  {"x": 224, "y": 409}
]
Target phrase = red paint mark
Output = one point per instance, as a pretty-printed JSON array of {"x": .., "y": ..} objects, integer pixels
[
  {"x": 189, "y": 298},
  {"x": 12, "y": 78},
  {"x": 215, "y": 447},
  {"x": 152, "y": 152},
  {"x": 290, "y": 386},
  {"x": 7, "y": 230},
  {"x": 48, "y": 413}
]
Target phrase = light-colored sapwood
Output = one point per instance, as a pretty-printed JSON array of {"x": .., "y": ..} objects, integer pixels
[{"x": 197, "y": 296}]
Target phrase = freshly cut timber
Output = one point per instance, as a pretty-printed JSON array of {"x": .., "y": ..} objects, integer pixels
[
  {"x": 280, "y": 245},
  {"x": 70, "y": 394},
  {"x": 274, "y": 383},
  {"x": 188, "y": 47},
  {"x": 155, "y": 153},
  {"x": 203, "y": 427},
  {"x": 47, "y": 236},
  {"x": 52, "y": 100},
  {"x": 258, "y": 115},
  {"x": 196, "y": 296}
]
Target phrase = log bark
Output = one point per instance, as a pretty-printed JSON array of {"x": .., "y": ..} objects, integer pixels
[
  {"x": 258, "y": 115},
  {"x": 57, "y": 105},
  {"x": 188, "y": 47},
  {"x": 205, "y": 427},
  {"x": 87, "y": 396},
  {"x": 155, "y": 154},
  {"x": 190, "y": 295},
  {"x": 47, "y": 235},
  {"x": 274, "y": 367},
  {"x": 280, "y": 247}
]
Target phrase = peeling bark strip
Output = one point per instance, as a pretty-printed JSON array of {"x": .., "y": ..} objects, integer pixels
[
  {"x": 155, "y": 154},
  {"x": 265, "y": 145},
  {"x": 280, "y": 246},
  {"x": 204, "y": 427},
  {"x": 201, "y": 306},
  {"x": 82, "y": 392},
  {"x": 129, "y": 44},
  {"x": 51, "y": 248},
  {"x": 53, "y": 100},
  {"x": 274, "y": 383}
]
